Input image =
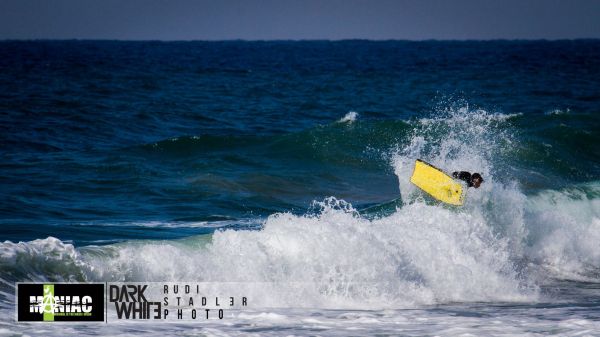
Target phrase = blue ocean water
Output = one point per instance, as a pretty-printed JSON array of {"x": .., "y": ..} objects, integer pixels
[{"x": 207, "y": 148}]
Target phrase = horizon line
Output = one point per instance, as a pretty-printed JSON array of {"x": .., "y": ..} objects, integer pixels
[{"x": 299, "y": 40}]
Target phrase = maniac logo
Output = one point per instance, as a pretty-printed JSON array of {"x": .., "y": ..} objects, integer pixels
[
  {"x": 131, "y": 303},
  {"x": 60, "y": 302}
]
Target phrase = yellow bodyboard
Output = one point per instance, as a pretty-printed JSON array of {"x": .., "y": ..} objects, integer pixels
[{"x": 437, "y": 183}]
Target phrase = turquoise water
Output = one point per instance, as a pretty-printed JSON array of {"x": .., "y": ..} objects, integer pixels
[{"x": 286, "y": 162}]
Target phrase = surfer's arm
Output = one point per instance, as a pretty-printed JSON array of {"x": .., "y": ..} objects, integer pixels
[{"x": 464, "y": 176}]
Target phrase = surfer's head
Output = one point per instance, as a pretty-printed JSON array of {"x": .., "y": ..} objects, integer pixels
[{"x": 476, "y": 180}]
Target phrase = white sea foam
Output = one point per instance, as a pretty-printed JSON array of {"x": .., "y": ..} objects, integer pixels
[
  {"x": 422, "y": 254},
  {"x": 41, "y": 259},
  {"x": 565, "y": 232},
  {"x": 350, "y": 117},
  {"x": 450, "y": 321}
]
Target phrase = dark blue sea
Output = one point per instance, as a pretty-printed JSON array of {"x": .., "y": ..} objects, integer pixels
[{"x": 287, "y": 163}]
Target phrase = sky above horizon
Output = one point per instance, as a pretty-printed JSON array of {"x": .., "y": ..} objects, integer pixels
[{"x": 299, "y": 20}]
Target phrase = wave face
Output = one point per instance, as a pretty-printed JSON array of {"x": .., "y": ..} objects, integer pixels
[{"x": 286, "y": 166}]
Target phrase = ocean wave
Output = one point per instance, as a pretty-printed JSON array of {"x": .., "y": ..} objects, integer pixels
[
  {"x": 499, "y": 247},
  {"x": 564, "y": 228},
  {"x": 333, "y": 258},
  {"x": 40, "y": 260}
]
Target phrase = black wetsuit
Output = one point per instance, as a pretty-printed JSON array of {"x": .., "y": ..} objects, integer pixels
[{"x": 465, "y": 176}]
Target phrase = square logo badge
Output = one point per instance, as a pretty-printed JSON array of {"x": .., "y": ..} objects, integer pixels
[{"x": 55, "y": 302}]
